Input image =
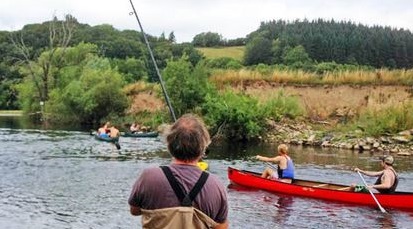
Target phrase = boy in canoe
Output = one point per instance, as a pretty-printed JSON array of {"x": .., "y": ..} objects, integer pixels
[{"x": 285, "y": 170}]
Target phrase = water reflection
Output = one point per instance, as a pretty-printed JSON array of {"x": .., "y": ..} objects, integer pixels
[
  {"x": 386, "y": 221},
  {"x": 283, "y": 206}
]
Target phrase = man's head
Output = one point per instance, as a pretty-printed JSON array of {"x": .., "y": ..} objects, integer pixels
[
  {"x": 188, "y": 138},
  {"x": 388, "y": 160}
]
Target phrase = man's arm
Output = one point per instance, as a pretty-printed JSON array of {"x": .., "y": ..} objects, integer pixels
[
  {"x": 223, "y": 225},
  {"x": 369, "y": 173}
]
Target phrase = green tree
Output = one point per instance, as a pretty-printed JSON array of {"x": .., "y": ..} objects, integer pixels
[
  {"x": 235, "y": 116},
  {"x": 86, "y": 88},
  {"x": 186, "y": 86},
  {"x": 257, "y": 51},
  {"x": 296, "y": 55},
  {"x": 93, "y": 95},
  {"x": 132, "y": 69},
  {"x": 42, "y": 71},
  {"x": 208, "y": 39},
  {"x": 171, "y": 37}
]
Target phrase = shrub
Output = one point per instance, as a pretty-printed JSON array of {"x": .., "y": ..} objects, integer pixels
[
  {"x": 233, "y": 115},
  {"x": 390, "y": 120},
  {"x": 223, "y": 63},
  {"x": 283, "y": 106}
]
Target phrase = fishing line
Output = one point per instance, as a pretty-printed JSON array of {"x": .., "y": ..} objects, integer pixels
[{"x": 171, "y": 110}]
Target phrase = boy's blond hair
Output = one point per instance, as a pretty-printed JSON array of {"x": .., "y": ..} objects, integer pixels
[{"x": 283, "y": 148}]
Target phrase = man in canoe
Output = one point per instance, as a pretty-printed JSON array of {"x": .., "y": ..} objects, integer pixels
[
  {"x": 285, "y": 170},
  {"x": 181, "y": 195},
  {"x": 113, "y": 132},
  {"x": 387, "y": 178},
  {"x": 134, "y": 128}
]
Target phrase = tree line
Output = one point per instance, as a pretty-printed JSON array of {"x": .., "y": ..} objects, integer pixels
[
  {"x": 321, "y": 40},
  {"x": 77, "y": 73},
  {"x": 124, "y": 49}
]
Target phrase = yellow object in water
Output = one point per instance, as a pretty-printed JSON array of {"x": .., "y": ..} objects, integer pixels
[{"x": 203, "y": 165}]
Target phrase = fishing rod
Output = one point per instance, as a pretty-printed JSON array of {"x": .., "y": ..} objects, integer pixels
[{"x": 168, "y": 102}]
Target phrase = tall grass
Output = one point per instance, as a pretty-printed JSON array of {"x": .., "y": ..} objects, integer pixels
[
  {"x": 390, "y": 120},
  {"x": 140, "y": 86},
  {"x": 357, "y": 77}
]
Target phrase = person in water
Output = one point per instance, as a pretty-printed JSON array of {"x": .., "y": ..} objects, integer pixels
[
  {"x": 387, "y": 180},
  {"x": 285, "y": 170}
]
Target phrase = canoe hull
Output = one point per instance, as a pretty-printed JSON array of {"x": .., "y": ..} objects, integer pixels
[
  {"x": 106, "y": 139},
  {"x": 152, "y": 134},
  {"x": 331, "y": 192}
]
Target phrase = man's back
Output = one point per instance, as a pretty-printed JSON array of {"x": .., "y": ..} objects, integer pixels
[{"x": 153, "y": 191}]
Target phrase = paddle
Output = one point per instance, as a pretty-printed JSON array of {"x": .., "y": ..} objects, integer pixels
[
  {"x": 372, "y": 195},
  {"x": 117, "y": 145},
  {"x": 271, "y": 165}
]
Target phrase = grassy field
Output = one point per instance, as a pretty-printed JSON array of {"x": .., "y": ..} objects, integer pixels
[
  {"x": 10, "y": 112},
  {"x": 236, "y": 52}
]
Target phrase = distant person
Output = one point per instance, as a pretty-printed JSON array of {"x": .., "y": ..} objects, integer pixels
[
  {"x": 387, "y": 180},
  {"x": 114, "y": 132},
  {"x": 104, "y": 130},
  {"x": 285, "y": 168},
  {"x": 160, "y": 193},
  {"x": 134, "y": 128}
]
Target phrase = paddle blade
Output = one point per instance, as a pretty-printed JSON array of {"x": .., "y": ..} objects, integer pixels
[{"x": 117, "y": 145}]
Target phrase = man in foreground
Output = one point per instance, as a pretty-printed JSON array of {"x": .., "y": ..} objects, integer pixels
[{"x": 160, "y": 195}]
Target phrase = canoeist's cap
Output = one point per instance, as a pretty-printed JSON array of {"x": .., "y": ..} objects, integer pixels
[{"x": 388, "y": 160}]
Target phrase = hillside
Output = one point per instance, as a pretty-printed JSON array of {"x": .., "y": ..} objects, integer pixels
[{"x": 236, "y": 52}]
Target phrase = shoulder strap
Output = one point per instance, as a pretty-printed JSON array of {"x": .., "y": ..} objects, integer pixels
[
  {"x": 185, "y": 199},
  {"x": 173, "y": 182},
  {"x": 195, "y": 190}
]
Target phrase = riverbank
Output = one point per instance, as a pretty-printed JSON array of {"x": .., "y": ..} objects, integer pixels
[
  {"x": 328, "y": 110},
  {"x": 297, "y": 133}
]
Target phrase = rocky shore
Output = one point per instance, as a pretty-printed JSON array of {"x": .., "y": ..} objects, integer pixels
[{"x": 304, "y": 134}]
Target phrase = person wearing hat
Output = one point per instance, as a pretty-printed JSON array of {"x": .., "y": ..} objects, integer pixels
[{"x": 387, "y": 178}]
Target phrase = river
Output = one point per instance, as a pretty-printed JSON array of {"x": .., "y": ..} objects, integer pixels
[{"x": 66, "y": 179}]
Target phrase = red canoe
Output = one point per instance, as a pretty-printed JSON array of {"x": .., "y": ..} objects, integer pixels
[{"x": 320, "y": 190}]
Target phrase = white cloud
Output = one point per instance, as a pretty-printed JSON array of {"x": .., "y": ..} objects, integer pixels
[{"x": 230, "y": 18}]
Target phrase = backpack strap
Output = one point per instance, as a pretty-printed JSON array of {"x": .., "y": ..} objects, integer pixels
[{"x": 185, "y": 199}]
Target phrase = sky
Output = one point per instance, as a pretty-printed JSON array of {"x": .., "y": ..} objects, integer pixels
[{"x": 187, "y": 18}]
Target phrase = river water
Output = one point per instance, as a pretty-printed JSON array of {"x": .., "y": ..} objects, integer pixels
[{"x": 66, "y": 179}]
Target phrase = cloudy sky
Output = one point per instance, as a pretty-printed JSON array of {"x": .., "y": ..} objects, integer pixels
[{"x": 186, "y": 18}]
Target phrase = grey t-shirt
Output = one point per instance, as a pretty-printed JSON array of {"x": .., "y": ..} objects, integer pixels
[{"x": 153, "y": 191}]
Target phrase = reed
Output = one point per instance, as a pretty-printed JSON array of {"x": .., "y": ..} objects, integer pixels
[
  {"x": 391, "y": 120},
  {"x": 140, "y": 86},
  {"x": 357, "y": 77}
]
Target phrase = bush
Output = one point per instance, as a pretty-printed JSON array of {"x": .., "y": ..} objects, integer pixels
[
  {"x": 390, "y": 120},
  {"x": 223, "y": 63},
  {"x": 235, "y": 116},
  {"x": 95, "y": 95},
  {"x": 283, "y": 106},
  {"x": 186, "y": 86}
]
